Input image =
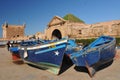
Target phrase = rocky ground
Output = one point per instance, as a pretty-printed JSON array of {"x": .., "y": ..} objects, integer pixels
[{"x": 12, "y": 71}]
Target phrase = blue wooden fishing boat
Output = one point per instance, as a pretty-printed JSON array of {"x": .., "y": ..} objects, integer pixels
[
  {"x": 47, "y": 56},
  {"x": 99, "y": 52},
  {"x": 15, "y": 49},
  {"x": 3, "y": 43}
]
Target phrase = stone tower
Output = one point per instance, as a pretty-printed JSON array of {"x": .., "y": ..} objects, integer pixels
[{"x": 13, "y": 31}]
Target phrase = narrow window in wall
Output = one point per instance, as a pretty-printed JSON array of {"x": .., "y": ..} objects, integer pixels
[
  {"x": 80, "y": 32},
  {"x": 17, "y": 35}
]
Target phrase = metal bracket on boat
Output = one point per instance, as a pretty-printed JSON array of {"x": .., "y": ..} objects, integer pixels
[{"x": 25, "y": 52}]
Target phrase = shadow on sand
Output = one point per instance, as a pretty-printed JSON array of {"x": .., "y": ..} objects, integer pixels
[
  {"x": 97, "y": 68},
  {"x": 66, "y": 64},
  {"x": 18, "y": 62}
]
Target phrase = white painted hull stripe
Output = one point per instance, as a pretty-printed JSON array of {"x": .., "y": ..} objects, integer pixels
[{"x": 45, "y": 45}]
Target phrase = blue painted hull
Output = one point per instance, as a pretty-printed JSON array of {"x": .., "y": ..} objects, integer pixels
[
  {"x": 14, "y": 50},
  {"x": 102, "y": 49},
  {"x": 70, "y": 47},
  {"x": 47, "y": 56}
]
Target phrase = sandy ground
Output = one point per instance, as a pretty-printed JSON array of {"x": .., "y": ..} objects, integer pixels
[{"x": 12, "y": 71}]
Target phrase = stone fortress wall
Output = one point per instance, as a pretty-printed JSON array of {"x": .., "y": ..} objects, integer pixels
[{"x": 58, "y": 27}]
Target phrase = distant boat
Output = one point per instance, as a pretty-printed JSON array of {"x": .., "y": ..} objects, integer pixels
[
  {"x": 3, "y": 43},
  {"x": 99, "y": 52},
  {"x": 47, "y": 56}
]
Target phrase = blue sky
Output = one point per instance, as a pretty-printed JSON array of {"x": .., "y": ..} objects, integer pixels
[{"x": 38, "y": 13}]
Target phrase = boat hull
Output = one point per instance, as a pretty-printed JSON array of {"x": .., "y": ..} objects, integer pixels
[
  {"x": 48, "y": 56},
  {"x": 99, "y": 52}
]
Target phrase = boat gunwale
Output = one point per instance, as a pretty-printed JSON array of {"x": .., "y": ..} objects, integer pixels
[
  {"x": 43, "y": 45},
  {"x": 88, "y": 49}
]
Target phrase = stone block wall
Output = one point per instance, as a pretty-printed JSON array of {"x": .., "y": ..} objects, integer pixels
[{"x": 13, "y": 31}]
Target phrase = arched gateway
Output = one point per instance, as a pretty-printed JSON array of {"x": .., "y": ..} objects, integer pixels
[
  {"x": 56, "y": 34},
  {"x": 56, "y": 28}
]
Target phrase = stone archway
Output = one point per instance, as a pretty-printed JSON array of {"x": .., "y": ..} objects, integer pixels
[{"x": 56, "y": 34}]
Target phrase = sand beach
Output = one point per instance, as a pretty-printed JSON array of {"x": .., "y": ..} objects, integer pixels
[{"x": 12, "y": 71}]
